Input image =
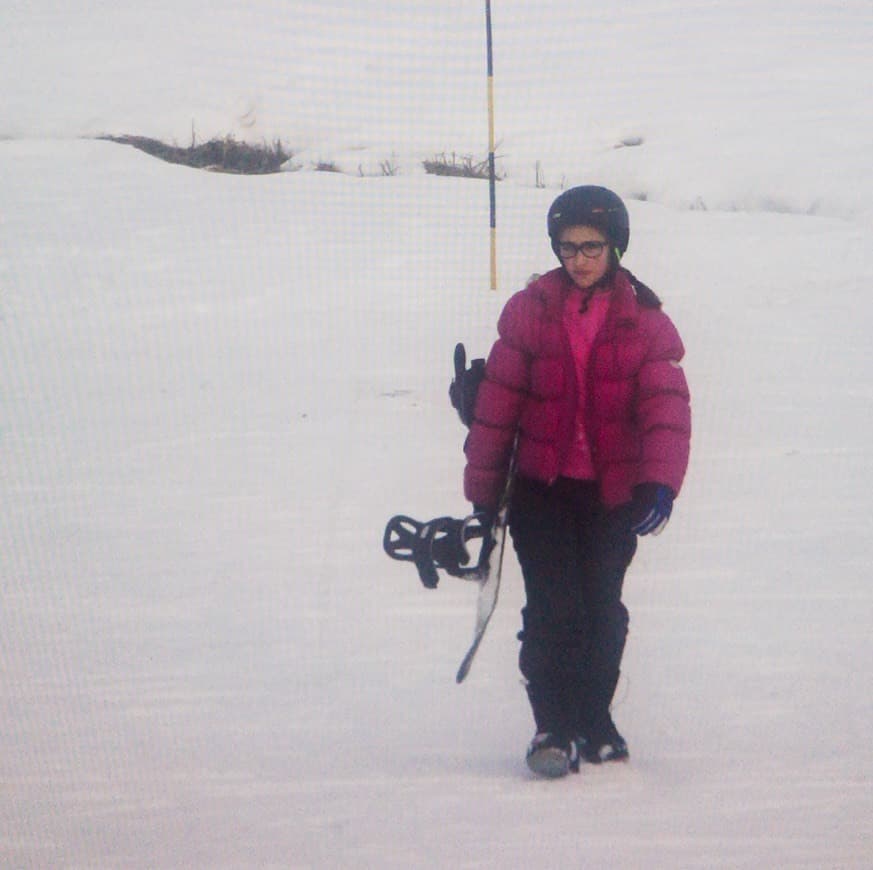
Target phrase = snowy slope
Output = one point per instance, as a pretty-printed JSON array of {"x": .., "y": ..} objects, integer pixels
[
  {"x": 216, "y": 389},
  {"x": 740, "y": 104}
]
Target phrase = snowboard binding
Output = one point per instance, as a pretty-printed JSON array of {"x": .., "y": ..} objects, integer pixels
[
  {"x": 439, "y": 543},
  {"x": 442, "y": 542},
  {"x": 465, "y": 386}
]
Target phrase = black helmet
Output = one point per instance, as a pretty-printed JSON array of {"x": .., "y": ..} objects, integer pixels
[{"x": 590, "y": 206}]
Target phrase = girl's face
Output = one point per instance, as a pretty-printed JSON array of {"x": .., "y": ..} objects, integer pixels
[{"x": 585, "y": 255}]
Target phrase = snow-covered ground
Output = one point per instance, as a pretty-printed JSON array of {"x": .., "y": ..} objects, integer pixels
[{"x": 214, "y": 391}]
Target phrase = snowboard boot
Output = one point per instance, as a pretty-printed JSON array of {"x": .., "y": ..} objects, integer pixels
[
  {"x": 602, "y": 742},
  {"x": 551, "y": 756}
]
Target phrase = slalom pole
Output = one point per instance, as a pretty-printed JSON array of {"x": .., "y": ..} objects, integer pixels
[{"x": 492, "y": 178}]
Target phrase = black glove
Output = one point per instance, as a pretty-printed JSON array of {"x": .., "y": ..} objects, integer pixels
[
  {"x": 651, "y": 507},
  {"x": 485, "y": 515}
]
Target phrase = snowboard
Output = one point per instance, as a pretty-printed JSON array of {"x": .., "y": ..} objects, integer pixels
[
  {"x": 443, "y": 543},
  {"x": 489, "y": 580}
]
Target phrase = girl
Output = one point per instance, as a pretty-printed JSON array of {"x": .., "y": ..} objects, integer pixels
[{"x": 584, "y": 383}]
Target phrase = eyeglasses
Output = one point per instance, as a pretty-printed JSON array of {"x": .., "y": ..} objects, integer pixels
[{"x": 591, "y": 250}]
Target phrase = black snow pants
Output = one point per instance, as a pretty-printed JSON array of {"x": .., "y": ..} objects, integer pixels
[{"x": 573, "y": 555}]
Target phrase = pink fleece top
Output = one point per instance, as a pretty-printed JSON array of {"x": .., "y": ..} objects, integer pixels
[{"x": 582, "y": 327}]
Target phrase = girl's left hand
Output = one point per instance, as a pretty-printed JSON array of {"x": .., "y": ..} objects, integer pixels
[{"x": 651, "y": 508}]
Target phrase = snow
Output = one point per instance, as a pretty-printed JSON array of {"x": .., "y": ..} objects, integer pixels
[{"x": 217, "y": 389}]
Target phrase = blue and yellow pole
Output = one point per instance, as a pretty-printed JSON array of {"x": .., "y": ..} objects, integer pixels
[{"x": 492, "y": 178}]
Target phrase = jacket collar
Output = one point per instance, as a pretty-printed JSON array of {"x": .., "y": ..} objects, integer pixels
[{"x": 554, "y": 286}]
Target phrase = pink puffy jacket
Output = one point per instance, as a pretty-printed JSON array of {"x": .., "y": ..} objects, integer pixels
[{"x": 638, "y": 413}]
